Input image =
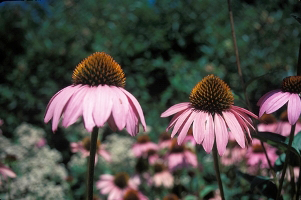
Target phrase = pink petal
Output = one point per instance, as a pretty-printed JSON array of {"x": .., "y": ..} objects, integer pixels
[
  {"x": 106, "y": 177},
  {"x": 221, "y": 134},
  {"x": 235, "y": 128},
  {"x": 112, "y": 124},
  {"x": 135, "y": 104},
  {"x": 132, "y": 122},
  {"x": 103, "y": 107},
  {"x": 180, "y": 122},
  {"x": 62, "y": 99},
  {"x": 174, "y": 119},
  {"x": 294, "y": 108},
  {"x": 115, "y": 194},
  {"x": 243, "y": 123},
  {"x": 209, "y": 135},
  {"x": 199, "y": 127},
  {"x": 184, "y": 129},
  {"x": 244, "y": 111},
  {"x": 120, "y": 107},
  {"x": 51, "y": 106},
  {"x": 175, "y": 108},
  {"x": 5, "y": 171},
  {"x": 266, "y": 96},
  {"x": 74, "y": 109},
  {"x": 273, "y": 103},
  {"x": 105, "y": 155},
  {"x": 88, "y": 107}
]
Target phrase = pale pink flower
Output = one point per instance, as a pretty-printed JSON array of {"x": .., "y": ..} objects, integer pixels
[
  {"x": 180, "y": 157},
  {"x": 162, "y": 177},
  {"x": 115, "y": 186},
  {"x": 233, "y": 156},
  {"x": 284, "y": 127},
  {"x": 98, "y": 96},
  {"x": 152, "y": 156},
  {"x": 213, "y": 116},
  {"x": 131, "y": 194},
  {"x": 6, "y": 172},
  {"x": 256, "y": 157},
  {"x": 268, "y": 123},
  {"x": 143, "y": 145},
  {"x": 84, "y": 148},
  {"x": 165, "y": 140},
  {"x": 289, "y": 93}
]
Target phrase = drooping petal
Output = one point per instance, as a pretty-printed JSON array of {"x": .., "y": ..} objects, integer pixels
[
  {"x": 74, "y": 109},
  {"x": 235, "y": 128},
  {"x": 221, "y": 134},
  {"x": 132, "y": 122},
  {"x": 293, "y": 108},
  {"x": 62, "y": 100},
  {"x": 244, "y": 111},
  {"x": 103, "y": 105},
  {"x": 244, "y": 117},
  {"x": 199, "y": 127},
  {"x": 174, "y": 120},
  {"x": 209, "y": 135},
  {"x": 51, "y": 106},
  {"x": 273, "y": 103},
  {"x": 134, "y": 101},
  {"x": 266, "y": 96},
  {"x": 243, "y": 124},
  {"x": 88, "y": 107},
  {"x": 180, "y": 122},
  {"x": 112, "y": 124},
  {"x": 175, "y": 108},
  {"x": 184, "y": 129},
  {"x": 120, "y": 107}
]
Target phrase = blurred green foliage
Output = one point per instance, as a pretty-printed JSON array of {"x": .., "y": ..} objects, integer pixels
[{"x": 165, "y": 47}]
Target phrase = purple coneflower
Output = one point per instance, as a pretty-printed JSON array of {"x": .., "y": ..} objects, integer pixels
[
  {"x": 284, "y": 127},
  {"x": 213, "y": 115},
  {"x": 143, "y": 145},
  {"x": 115, "y": 186},
  {"x": 98, "y": 95},
  {"x": 289, "y": 93},
  {"x": 267, "y": 123},
  {"x": 162, "y": 177},
  {"x": 256, "y": 156},
  {"x": 84, "y": 148},
  {"x": 165, "y": 140},
  {"x": 180, "y": 157},
  {"x": 132, "y": 194}
]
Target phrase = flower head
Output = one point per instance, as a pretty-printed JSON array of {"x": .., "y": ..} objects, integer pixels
[
  {"x": 98, "y": 95},
  {"x": 84, "y": 147},
  {"x": 162, "y": 176},
  {"x": 213, "y": 115},
  {"x": 115, "y": 186},
  {"x": 179, "y": 157},
  {"x": 289, "y": 93},
  {"x": 143, "y": 145}
]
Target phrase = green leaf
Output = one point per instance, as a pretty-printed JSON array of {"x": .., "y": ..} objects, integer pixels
[
  {"x": 207, "y": 190},
  {"x": 278, "y": 166},
  {"x": 262, "y": 184}
]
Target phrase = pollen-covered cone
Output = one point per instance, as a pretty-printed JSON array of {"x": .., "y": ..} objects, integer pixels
[
  {"x": 97, "y": 94},
  {"x": 212, "y": 115}
]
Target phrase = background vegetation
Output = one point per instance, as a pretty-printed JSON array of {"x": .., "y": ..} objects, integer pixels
[{"x": 164, "y": 47}]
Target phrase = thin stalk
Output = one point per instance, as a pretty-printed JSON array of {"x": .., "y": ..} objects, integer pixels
[
  {"x": 269, "y": 162},
  {"x": 237, "y": 55},
  {"x": 299, "y": 182},
  {"x": 287, "y": 158},
  {"x": 217, "y": 172},
  {"x": 90, "y": 184},
  {"x": 293, "y": 185}
]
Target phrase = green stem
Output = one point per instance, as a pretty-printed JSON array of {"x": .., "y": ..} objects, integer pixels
[
  {"x": 217, "y": 172},
  {"x": 90, "y": 184},
  {"x": 269, "y": 162},
  {"x": 293, "y": 185},
  {"x": 287, "y": 158}
]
